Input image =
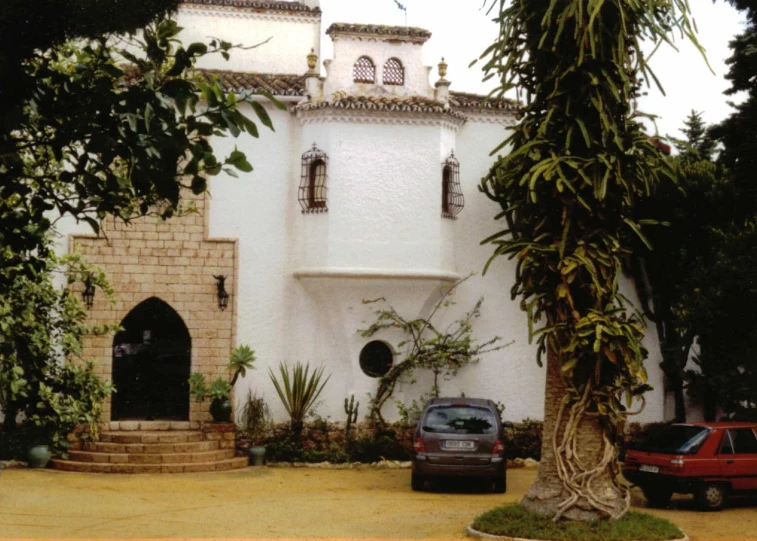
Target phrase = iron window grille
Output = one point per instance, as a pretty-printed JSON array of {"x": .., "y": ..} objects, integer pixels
[
  {"x": 452, "y": 195},
  {"x": 312, "y": 192},
  {"x": 364, "y": 71},
  {"x": 394, "y": 73}
]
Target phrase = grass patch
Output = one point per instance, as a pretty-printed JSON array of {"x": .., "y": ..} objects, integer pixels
[{"x": 515, "y": 521}]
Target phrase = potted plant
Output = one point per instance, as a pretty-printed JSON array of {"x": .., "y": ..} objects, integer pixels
[
  {"x": 255, "y": 422},
  {"x": 219, "y": 390}
]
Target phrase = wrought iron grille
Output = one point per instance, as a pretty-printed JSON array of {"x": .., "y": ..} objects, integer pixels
[
  {"x": 394, "y": 73},
  {"x": 364, "y": 71},
  {"x": 452, "y": 195},
  {"x": 312, "y": 192}
]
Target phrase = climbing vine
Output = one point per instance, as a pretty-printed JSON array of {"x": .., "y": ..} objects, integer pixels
[
  {"x": 442, "y": 351},
  {"x": 579, "y": 163}
]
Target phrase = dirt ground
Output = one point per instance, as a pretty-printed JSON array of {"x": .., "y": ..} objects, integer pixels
[{"x": 279, "y": 503}]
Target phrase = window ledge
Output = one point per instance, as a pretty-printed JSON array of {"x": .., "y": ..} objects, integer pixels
[{"x": 391, "y": 274}]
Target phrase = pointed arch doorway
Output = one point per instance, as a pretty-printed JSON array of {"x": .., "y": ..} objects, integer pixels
[{"x": 151, "y": 364}]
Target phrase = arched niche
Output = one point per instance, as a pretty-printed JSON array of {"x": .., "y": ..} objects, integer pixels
[{"x": 151, "y": 364}]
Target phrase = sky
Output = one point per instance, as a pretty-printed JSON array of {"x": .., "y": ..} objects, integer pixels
[{"x": 461, "y": 30}]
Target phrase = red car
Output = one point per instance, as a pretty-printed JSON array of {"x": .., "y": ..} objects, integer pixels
[{"x": 709, "y": 460}]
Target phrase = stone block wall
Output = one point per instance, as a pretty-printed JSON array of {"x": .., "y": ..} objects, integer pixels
[{"x": 172, "y": 260}]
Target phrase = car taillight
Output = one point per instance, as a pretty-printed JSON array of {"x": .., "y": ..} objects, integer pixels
[
  {"x": 499, "y": 448},
  {"x": 419, "y": 446},
  {"x": 676, "y": 463}
]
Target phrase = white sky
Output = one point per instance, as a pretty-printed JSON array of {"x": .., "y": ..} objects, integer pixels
[{"x": 461, "y": 31}]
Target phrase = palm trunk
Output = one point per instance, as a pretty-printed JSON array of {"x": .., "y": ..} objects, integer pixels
[{"x": 549, "y": 491}]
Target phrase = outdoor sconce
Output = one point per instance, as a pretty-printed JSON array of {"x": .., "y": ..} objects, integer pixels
[
  {"x": 223, "y": 297},
  {"x": 88, "y": 295}
]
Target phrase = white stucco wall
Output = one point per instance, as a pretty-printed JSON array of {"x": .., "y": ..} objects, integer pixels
[
  {"x": 291, "y": 38},
  {"x": 383, "y": 225}
]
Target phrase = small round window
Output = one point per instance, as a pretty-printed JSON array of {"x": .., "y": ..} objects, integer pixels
[{"x": 376, "y": 359}]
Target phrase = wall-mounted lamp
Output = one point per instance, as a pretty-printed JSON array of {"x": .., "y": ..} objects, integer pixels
[
  {"x": 223, "y": 297},
  {"x": 88, "y": 295}
]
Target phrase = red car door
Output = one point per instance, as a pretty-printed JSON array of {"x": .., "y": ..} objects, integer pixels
[{"x": 738, "y": 458}]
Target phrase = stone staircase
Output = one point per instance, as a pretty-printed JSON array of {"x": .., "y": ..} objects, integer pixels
[{"x": 156, "y": 447}]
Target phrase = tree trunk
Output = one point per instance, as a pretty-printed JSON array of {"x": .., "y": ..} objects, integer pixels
[{"x": 549, "y": 491}]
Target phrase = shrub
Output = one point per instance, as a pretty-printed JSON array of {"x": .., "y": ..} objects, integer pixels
[
  {"x": 525, "y": 441},
  {"x": 375, "y": 447}
]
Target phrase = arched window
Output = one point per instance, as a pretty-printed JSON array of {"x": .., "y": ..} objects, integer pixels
[
  {"x": 394, "y": 73},
  {"x": 364, "y": 71},
  {"x": 312, "y": 193},
  {"x": 452, "y": 194}
]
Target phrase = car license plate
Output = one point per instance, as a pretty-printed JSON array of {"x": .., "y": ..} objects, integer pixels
[
  {"x": 459, "y": 444},
  {"x": 649, "y": 469}
]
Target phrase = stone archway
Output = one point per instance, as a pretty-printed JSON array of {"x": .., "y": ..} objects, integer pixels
[{"x": 151, "y": 364}]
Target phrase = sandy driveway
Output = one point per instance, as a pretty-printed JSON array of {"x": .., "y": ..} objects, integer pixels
[{"x": 276, "y": 503}]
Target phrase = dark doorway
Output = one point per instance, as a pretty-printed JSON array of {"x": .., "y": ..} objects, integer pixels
[{"x": 151, "y": 363}]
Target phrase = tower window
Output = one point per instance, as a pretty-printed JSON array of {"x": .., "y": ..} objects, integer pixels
[
  {"x": 364, "y": 71},
  {"x": 452, "y": 194},
  {"x": 312, "y": 192},
  {"x": 394, "y": 73}
]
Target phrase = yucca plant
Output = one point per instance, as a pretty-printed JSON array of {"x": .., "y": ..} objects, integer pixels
[{"x": 298, "y": 391}]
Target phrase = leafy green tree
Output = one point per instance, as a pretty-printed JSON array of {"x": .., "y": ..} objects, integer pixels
[
  {"x": 698, "y": 144},
  {"x": 738, "y": 133},
  {"x": 100, "y": 129},
  {"x": 580, "y": 161},
  {"x": 688, "y": 210},
  {"x": 29, "y": 27},
  {"x": 42, "y": 376}
]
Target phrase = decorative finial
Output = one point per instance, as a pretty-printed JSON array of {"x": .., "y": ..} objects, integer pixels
[
  {"x": 442, "y": 69},
  {"x": 312, "y": 60}
]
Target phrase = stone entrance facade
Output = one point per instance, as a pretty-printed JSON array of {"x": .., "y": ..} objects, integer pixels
[{"x": 173, "y": 261}]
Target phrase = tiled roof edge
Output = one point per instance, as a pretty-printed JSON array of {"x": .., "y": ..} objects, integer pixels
[
  {"x": 467, "y": 100},
  {"x": 261, "y": 5},
  {"x": 409, "y": 32}
]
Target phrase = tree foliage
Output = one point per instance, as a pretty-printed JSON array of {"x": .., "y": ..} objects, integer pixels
[
  {"x": 97, "y": 126},
  {"x": 738, "y": 133},
  {"x": 579, "y": 164},
  {"x": 698, "y": 144},
  {"x": 42, "y": 375},
  {"x": 667, "y": 276},
  {"x": 99, "y": 138}
]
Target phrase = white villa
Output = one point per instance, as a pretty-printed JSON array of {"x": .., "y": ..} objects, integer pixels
[{"x": 367, "y": 188}]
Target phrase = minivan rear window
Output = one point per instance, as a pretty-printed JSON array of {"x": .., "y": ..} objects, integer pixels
[
  {"x": 674, "y": 440},
  {"x": 460, "y": 420}
]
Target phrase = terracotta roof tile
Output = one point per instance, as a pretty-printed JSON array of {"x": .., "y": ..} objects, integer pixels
[
  {"x": 276, "y": 84},
  {"x": 261, "y": 5},
  {"x": 477, "y": 101},
  {"x": 409, "y": 33},
  {"x": 411, "y": 104}
]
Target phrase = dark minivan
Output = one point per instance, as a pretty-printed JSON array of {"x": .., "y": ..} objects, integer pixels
[{"x": 460, "y": 437}]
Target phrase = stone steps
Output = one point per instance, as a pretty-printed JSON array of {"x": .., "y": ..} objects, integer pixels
[
  {"x": 156, "y": 447},
  {"x": 137, "y": 448},
  {"x": 91, "y": 467},
  {"x": 152, "y": 436},
  {"x": 151, "y": 458}
]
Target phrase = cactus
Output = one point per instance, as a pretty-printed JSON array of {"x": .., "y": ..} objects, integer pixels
[{"x": 350, "y": 408}]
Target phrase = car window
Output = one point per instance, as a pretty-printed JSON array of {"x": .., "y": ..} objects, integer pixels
[
  {"x": 460, "y": 420},
  {"x": 726, "y": 446},
  {"x": 674, "y": 440},
  {"x": 744, "y": 441}
]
